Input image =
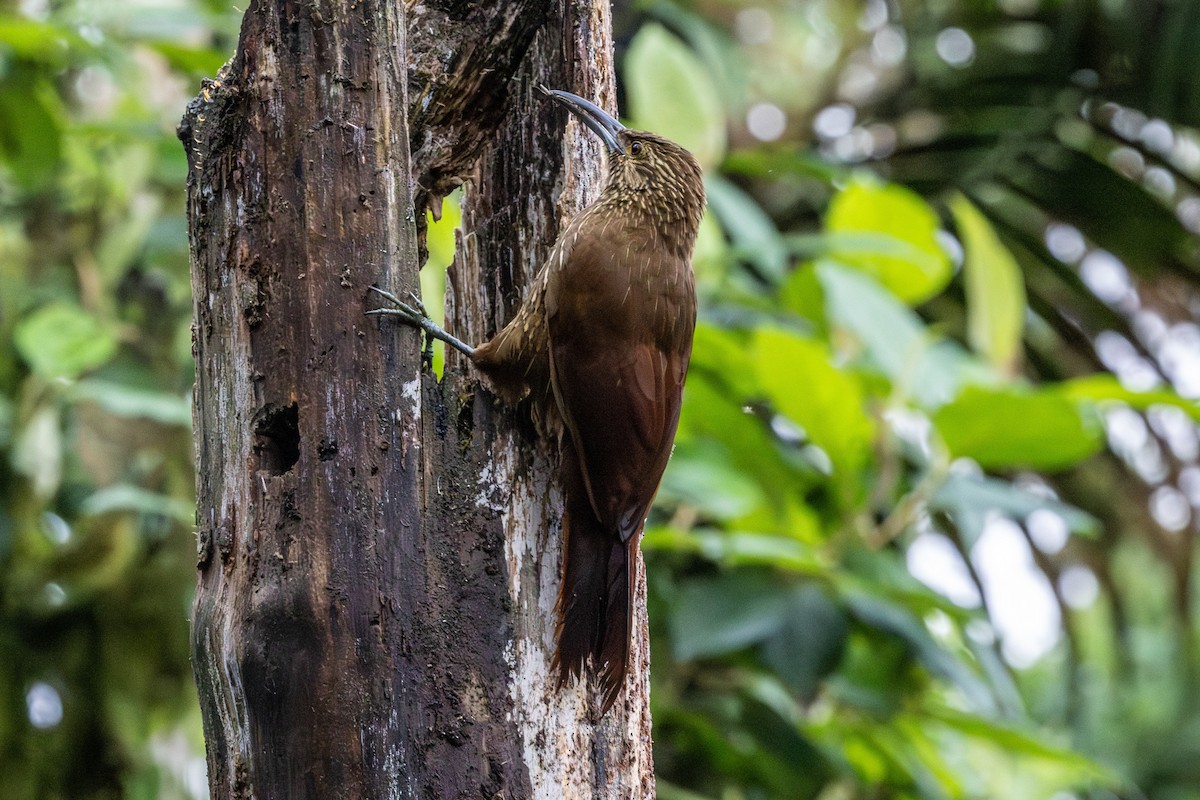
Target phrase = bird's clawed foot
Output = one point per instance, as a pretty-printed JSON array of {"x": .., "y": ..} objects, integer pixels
[{"x": 415, "y": 315}]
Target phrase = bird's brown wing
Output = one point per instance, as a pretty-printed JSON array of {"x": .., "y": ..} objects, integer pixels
[
  {"x": 621, "y": 408},
  {"x": 618, "y": 359},
  {"x": 619, "y": 347}
]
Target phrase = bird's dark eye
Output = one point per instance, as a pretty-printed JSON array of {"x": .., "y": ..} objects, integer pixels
[{"x": 636, "y": 148}]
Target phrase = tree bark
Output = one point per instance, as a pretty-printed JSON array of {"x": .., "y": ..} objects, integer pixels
[{"x": 378, "y": 553}]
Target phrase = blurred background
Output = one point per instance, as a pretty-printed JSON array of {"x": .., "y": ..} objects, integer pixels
[{"x": 929, "y": 531}]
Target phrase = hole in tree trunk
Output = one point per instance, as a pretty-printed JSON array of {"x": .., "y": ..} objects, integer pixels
[{"x": 277, "y": 438}]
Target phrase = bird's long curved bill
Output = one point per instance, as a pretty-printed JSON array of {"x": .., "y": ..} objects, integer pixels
[{"x": 592, "y": 115}]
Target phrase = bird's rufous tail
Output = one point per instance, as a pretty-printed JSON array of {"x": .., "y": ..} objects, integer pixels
[{"x": 595, "y": 601}]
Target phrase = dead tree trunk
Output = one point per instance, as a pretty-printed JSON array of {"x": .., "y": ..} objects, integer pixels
[{"x": 378, "y": 553}]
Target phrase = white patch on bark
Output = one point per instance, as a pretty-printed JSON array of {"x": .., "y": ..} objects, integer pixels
[
  {"x": 268, "y": 79},
  {"x": 492, "y": 494},
  {"x": 394, "y": 763},
  {"x": 237, "y": 727},
  {"x": 387, "y": 177},
  {"x": 410, "y": 419},
  {"x": 411, "y": 391},
  {"x": 558, "y": 734},
  {"x": 556, "y": 738}
]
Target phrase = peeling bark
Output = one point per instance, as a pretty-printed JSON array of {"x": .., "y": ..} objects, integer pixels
[{"x": 379, "y": 553}]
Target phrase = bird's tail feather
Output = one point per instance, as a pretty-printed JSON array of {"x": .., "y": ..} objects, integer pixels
[
  {"x": 612, "y": 662},
  {"x": 595, "y": 601}
]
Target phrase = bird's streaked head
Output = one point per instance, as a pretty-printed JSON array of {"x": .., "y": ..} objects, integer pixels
[{"x": 648, "y": 175}]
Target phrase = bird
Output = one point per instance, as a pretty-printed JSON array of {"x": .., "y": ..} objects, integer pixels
[{"x": 604, "y": 336}]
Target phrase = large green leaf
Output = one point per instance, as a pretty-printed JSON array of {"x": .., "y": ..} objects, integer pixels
[
  {"x": 741, "y": 549},
  {"x": 890, "y": 233},
  {"x": 701, "y": 477},
  {"x": 63, "y": 340},
  {"x": 995, "y": 289},
  {"x": 128, "y": 401},
  {"x": 31, "y": 122},
  {"x": 752, "y": 232},
  {"x": 1104, "y": 387},
  {"x": 972, "y": 498},
  {"x": 810, "y": 643},
  {"x": 718, "y": 615},
  {"x": 45, "y": 42},
  {"x": 1015, "y": 741},
  {"x": 671, "y": 93},
  {"x": 721, "y": 354},
  {"x": 802, "y": 383},
  {"x": 929, "y": 369},
  {"x": 441, "y": 239},
  {"x": 713, "y": 414},
  {"x": 897, "y": 620},
  {"x": 711, "y": 256},
  {"x": 1010, "y": 428}
]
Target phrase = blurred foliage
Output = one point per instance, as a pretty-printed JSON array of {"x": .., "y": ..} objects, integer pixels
[
  {"x": 96, "y": 489},
  {"x": 929, "y": 527}
]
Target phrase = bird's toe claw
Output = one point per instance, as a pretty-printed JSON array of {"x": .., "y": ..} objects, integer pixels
[
  {"x": 419, "y": 305},
  {"x": 415, "y": 314},
  {"x": 418, "y": 317},
  {"x": 385, "y": 294}
]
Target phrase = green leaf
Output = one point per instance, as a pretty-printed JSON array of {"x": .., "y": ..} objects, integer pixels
[
  {"x": 782, "y": 552},
  {"x": 441, "y": 239},
  {"x": 38, "y": 452},
  {"x": 811, "y": 641},
  {"x": 700, "y": 477},
  {"x": 125, "y": 238},
  {"x": 971, "y": 498},
  {"x": 802, "y": 294},
  {"x": 40, "y": 41},
  {"x": 899, "y": 621},
  {"x": 723, "y": 354},
  {"x": 126, "y": 497},
  {"x": 440, "y": 234},
  {"x": 911, "y": 744},
  {"x": 802, "y": 384},
  {"x": 995, "y": 289},
  {"x": 930, "y": 370},
  {"x": 31, "y": 121},
  {"x": 1012, "y": 740},
  {"x": 742, "y": 549},
  {"x": 127, "y": 401},
  {"x": 62, "y": 341},
  {"x": 672, "y": 93},
  {"x": 719, "y": 615},
  {"x": 1104, "y": 387},
  {"x": 754, "y": 235},
  {"x": 711, "y": 257},
  {"x": 185, "y": 58},
  {"x": 1010, "y": 428},
  {"x": 890, "y": 233},
  {"x": 714, "y": 413},
  {"x": 760, "y": 162}
]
